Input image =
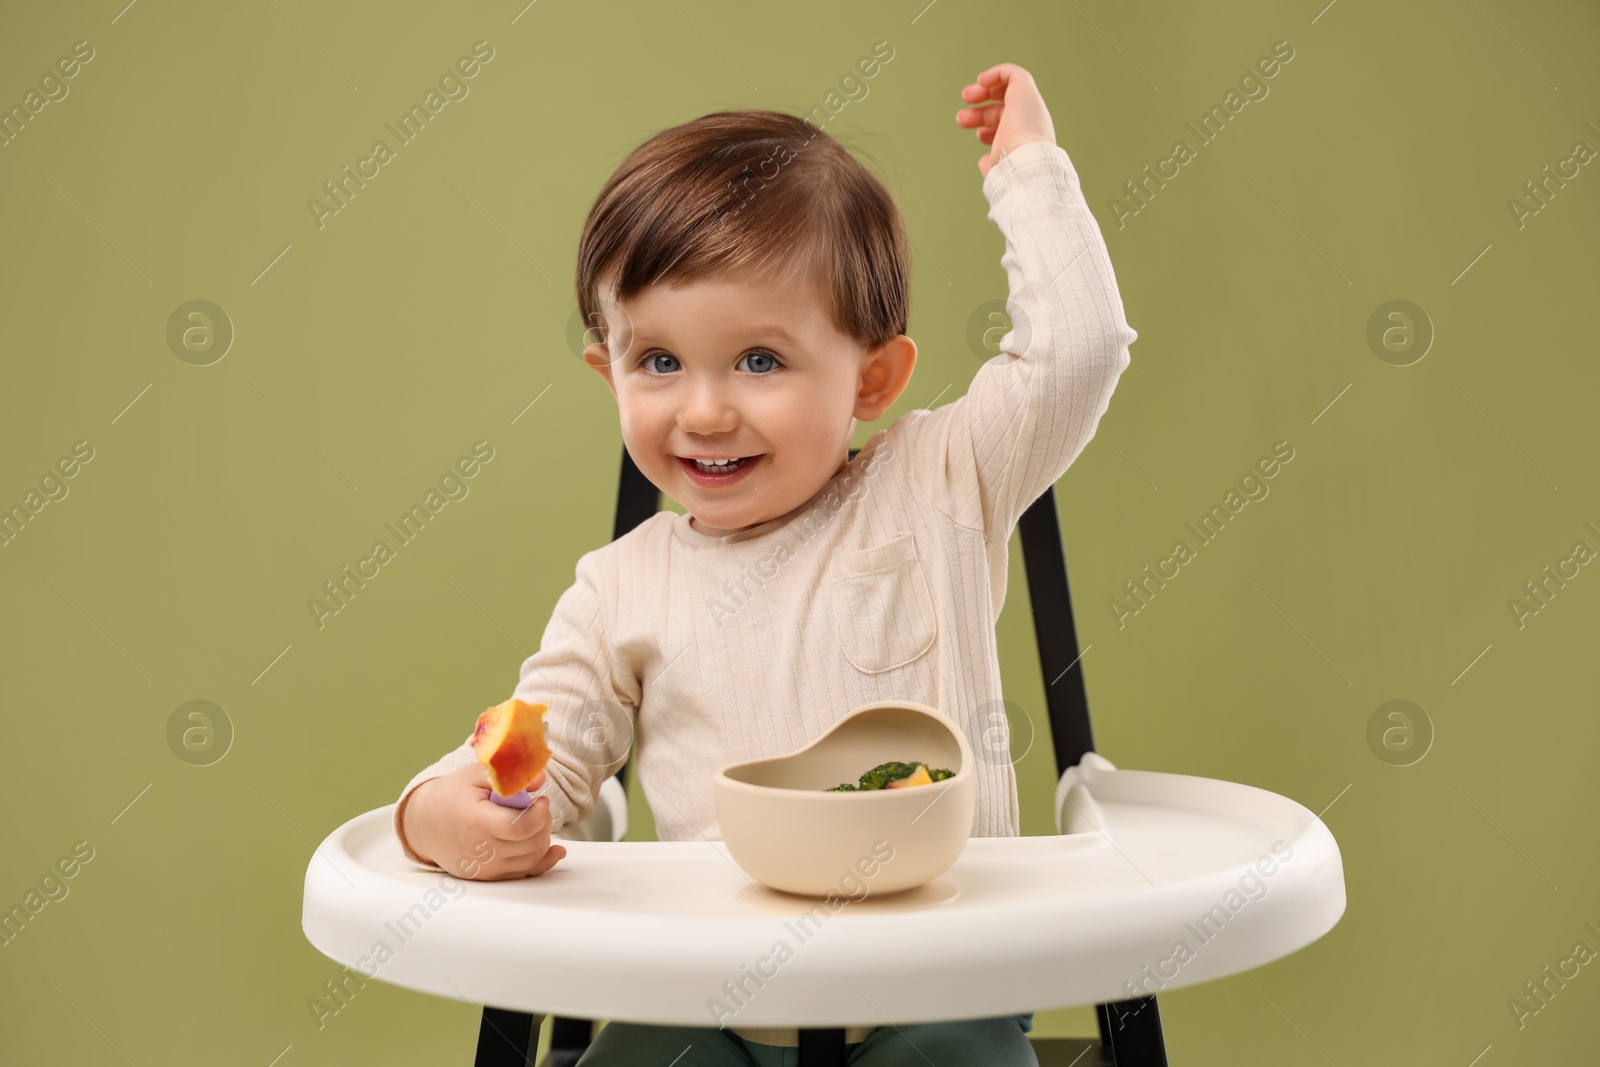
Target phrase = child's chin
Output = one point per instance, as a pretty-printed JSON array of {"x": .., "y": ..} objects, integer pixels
[{"x": 729, "y": 519}]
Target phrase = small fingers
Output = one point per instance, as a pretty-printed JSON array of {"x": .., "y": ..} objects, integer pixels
[
  {"x": 992, "y": 83},
  {"x": 516, "y": 856},
  {"x": 519, "y": 825},
  {"x": 504, "y": 872},
  {"x": 524, "y": 865},
  {"x": 551, "y": 858},
  {"x": 1001, "y": 73},
  {"x": 980, "y": 116},
  {"x": 514, "y": 825}
]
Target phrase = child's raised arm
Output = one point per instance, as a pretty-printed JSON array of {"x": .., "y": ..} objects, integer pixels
[
  {"x": 589, "y": 729},
  {"x": 1031, "y": 409}
]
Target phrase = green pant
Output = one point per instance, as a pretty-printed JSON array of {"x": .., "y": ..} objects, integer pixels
[{"x": 997, "y": 1042}]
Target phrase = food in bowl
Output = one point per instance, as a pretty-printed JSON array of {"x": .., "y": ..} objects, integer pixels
[
  {"x": 785, "y": 832},
  {"x": 509, "y": 739},
  {"x": 893, "y": 775}
]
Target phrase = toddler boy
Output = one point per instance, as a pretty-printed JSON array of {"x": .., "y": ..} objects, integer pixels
[{"x": 753, "y": 280}]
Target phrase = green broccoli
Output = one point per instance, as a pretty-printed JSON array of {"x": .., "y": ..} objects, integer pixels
[{"x": 884, "y": 773}]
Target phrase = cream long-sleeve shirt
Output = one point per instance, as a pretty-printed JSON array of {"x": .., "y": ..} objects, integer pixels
[{"x": 696, "y": 651}]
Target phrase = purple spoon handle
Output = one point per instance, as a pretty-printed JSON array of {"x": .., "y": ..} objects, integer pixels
[{"x": 519, "y": 799}]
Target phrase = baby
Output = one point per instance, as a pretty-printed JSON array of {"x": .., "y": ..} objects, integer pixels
[{"x": 752, "y": 277}]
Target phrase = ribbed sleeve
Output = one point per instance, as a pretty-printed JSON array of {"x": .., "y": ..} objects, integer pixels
[
  {"x": 592, "y": 699},
  {"x": 1031, "y": 409}
]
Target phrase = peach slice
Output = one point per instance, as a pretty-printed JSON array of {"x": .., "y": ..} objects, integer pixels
[
  {"x": 917, "y": 777},
  {"x": 510, "y": 742}
]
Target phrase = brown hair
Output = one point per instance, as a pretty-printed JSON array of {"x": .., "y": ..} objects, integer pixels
[{"x": 751, "y": 192}]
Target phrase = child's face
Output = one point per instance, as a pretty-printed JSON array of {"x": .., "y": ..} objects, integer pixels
[{"x": 705, "y": 370}]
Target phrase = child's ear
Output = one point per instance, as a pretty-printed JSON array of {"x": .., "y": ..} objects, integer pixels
[
  {"x": 599, "y": 357},
  {"x": 885, "y": 373}
]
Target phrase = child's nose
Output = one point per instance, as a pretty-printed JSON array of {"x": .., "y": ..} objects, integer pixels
[{"x": 707, "y": 408}]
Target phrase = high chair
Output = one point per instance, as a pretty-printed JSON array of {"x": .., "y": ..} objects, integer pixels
[
  {"x": 1130, "y": 1030},
  {"x": 1139, "y": 860}
]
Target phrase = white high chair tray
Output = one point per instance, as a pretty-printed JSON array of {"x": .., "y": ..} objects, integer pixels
[{"x": 1142, "y": 893}]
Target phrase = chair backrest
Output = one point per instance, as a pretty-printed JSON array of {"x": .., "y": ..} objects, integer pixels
[{"x": 1045, "y": 564}]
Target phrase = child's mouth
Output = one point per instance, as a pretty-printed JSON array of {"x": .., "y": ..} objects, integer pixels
[{"x": 712, "y": 475}]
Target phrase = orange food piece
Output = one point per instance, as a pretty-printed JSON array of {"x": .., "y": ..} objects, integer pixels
[
  {"x": 917, "y": 777},
  {"x": 510, "y": 742}
]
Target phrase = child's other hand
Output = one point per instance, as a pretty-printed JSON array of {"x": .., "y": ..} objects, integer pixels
[
  {"x": 1019, "y": 118},
  {"x": 451, "y": 821}
]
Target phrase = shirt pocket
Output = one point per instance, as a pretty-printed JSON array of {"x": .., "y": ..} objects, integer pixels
[{"x": 882, "y": 605}]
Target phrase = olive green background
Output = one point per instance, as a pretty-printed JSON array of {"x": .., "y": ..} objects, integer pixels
[{"x": 371, "y": 353}]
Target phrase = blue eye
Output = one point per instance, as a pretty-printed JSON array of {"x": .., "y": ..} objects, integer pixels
[
  {"x": 648, "y": 356},
  {"x": 763, "y": 355}
]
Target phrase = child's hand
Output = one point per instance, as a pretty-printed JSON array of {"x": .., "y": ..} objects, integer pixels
[
  {"x": 1019, "y": 118},
  {"x": 451, "y": 821}
]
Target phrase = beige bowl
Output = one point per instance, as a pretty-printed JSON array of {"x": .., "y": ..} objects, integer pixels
[{"x": 787, "y": 832}]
